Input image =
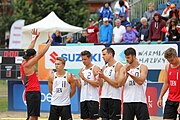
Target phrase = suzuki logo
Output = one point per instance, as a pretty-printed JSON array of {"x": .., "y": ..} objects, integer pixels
[{"x": 53, "y": 56}]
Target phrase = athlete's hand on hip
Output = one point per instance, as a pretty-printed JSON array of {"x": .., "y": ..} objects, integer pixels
[{"x": 159, "y": 103}]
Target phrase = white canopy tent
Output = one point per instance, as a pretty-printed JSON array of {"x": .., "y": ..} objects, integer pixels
[{"x": 50, "y": 23}]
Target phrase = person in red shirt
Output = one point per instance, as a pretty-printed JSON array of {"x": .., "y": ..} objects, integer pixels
[
  {"x": 29, "y": 77},
  {"x": 92, "y": 31},
  {"x": 171, "y": 82}
]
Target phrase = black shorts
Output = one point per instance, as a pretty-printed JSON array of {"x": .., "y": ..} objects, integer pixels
[
  {"x": 170, "y": 110},
  {"x": 110, "y": 108},
  {"x": 33, "y": 101},
  {"x": 89, "y": 109},
  {"x": 137, "y": 109},
  {"x": 60, "y": 111}
]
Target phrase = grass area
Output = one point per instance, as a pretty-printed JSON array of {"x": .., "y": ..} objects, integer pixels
[
  {"x": 3, "y": 96},
  {"x": 3, "y": 104}
]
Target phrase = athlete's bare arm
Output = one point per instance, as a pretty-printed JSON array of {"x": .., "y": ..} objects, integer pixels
[
  {"x": 115, "y": 82},
  {"x": 35, "y": 35},
  {"x": 123, "y": 75},
  {"x": 78, "y": 81},
  {"x": 95, "y": 82},
  {"x": 101, "y": 81},
  {"x": 72, "y": 83},
  {"x": 50, "y": 82},
  {"x": 35, "y": 59},
  {"x": 143, "y": 74},
  {"x": 164, "y": 87},
  {"x": 178, "y": 109}
]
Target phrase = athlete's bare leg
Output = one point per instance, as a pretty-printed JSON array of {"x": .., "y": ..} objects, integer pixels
[{"x": 33, "y": 118}]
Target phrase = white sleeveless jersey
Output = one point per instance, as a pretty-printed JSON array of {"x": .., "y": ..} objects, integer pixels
[
  {"x": 61, "y": 91},
  {"x": 89, "y": 92},
  {"x": 132, "y": 91},
  {"x": 109, "y": 91}
]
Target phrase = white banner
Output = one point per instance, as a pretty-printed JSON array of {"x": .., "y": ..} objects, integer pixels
[
  {"x": 15, "y": 39},
  {"x": 18, "y": 60},
  {"x": 151, "y": 55},
  {"x": 72, "y": 56}
]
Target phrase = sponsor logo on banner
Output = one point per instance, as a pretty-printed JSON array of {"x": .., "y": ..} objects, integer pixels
[
  {"x": 24, "y": 97},
  {"x": 18, "y": 60},
  {"x": 44, "y": 97},
  {"x": 151, "y": 55},
  {"x": 15, "y": 40},
  {"x": 152, "y": 100},
  {"x": 72, "y": 56}
]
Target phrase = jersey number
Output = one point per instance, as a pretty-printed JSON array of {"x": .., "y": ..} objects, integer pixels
[
  {"x": 63, "y": 84},
  {"x": 88, "y": 76}
]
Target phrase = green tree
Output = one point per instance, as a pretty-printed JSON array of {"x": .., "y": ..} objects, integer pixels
[{"x": 71, "y": 11}]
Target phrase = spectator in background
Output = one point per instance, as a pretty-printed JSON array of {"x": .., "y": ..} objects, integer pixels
[
  {"x": 93, "y": 32},
  {"x": 124, "y": 22},
  {"x": 106, "y": 31},
  {"x": 106, "y": 12},
  {"x": 165, "y": 14},
  {"x": 174, "y": 12},
  {"x": 57, "y": 40},
  {"x": 178, "y": 28},
  {"x": 83, "y": 38},
  {"x": 70, "y": 39},
  {"x": 155, "y": 30},
  {"x": 173, "y": 32},
  {"x": 122, "y": 9},
  {"x": 117, "y": 8},
  {"x": 118, "y": 32},
  {"x": 144, "y": 30},
  {"x": 150, "y": 13},
  {"x": 130, "y": 36}
]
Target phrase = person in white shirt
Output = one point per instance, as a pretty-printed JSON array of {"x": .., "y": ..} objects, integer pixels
[
  {"x": 165, "y": 13},
  {"x": 89, "y": 84},
  {"x": 118, "y": 32},
  {"x": 110, "y": 106},
  {"x": 62, "y": 87},
  {"x": 133, "y": 77}
]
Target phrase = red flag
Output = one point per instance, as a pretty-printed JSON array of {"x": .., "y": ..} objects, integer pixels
[{"x": 165, "y": 30}]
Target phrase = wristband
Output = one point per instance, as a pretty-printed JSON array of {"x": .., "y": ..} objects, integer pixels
[{"x": 33, "y": 37}]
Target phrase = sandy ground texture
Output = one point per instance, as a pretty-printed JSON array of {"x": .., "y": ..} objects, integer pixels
[{"x": 44, "y": 116}]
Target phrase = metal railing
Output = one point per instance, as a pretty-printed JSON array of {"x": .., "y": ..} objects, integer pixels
[{"x": 138, "y": 7}]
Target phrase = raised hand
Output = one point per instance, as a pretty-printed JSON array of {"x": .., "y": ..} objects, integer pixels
[
  {"x": 50, "y": 38},
  {"x": 35, "y": 34}
]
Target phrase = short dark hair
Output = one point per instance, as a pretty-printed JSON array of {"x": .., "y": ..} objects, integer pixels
[
  {"x": 86, "y": 52},
  {"x": 61, "y": 59},
  {"x": 130, "y": 51},
  {"x": 109, "y": 50},
  {"x": 169, "y": 53},
  {"x": 29, "y": 53}
]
